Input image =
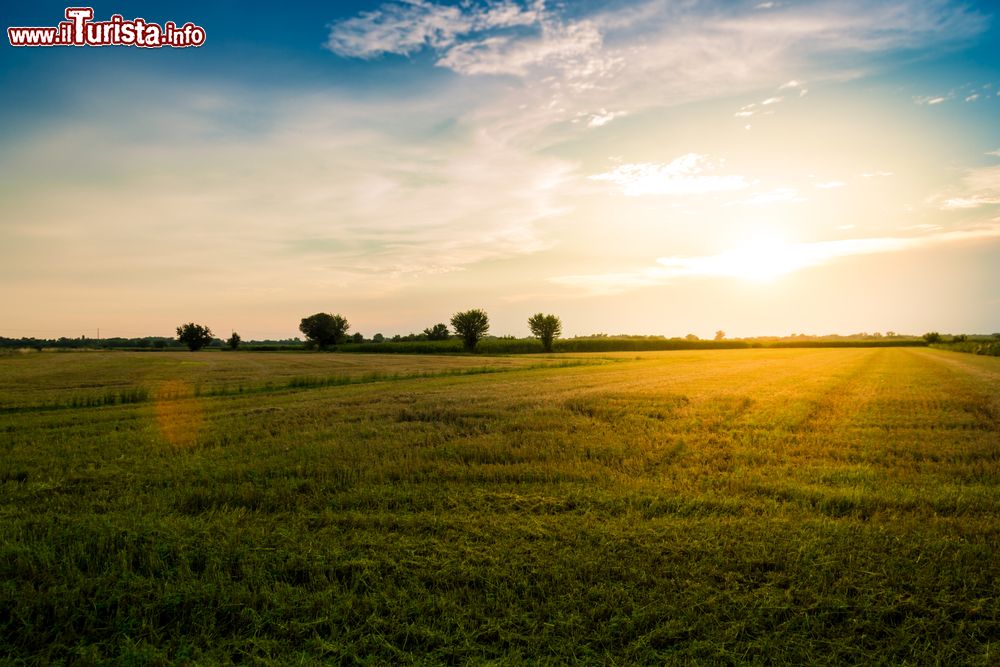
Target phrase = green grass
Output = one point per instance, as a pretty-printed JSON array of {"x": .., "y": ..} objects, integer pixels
[{"x": 815, "y": 506}]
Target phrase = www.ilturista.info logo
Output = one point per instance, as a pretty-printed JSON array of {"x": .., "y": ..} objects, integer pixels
[{"x": 79, "y": 29}]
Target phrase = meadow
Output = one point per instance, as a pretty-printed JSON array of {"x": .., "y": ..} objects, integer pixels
[{"x": 812, "y": 506}]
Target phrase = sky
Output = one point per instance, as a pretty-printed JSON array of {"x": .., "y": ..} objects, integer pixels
[{"x": 658, "y": 167}]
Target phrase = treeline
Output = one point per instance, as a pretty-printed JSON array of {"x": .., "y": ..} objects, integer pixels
[
  {"x": 141, "y": 343},
  {"x": 969, "y": 345}
]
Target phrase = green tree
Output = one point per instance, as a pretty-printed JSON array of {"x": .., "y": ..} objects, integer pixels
[
  {"x": 234, "y": 341},
  {"x": 437, "y": 332},
  {"x": 932, "y": 337},
  {"x": 194, "y": 335},
  {"x": 546, "y": 328},
  {"x": 358, "y": 338},
  {"x": 324, "y": 329},
  {"x": 471, "y": 325},
  {"x": 378, "y": 338}
]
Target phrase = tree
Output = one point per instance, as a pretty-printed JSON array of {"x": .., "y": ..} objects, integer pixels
[
  {"x": 932, "y": 337},
  {"x": 234, "y": 341},
  {"x": 546, "y": 328},
  {"x": 358, "y": 338},
  {"x": 720, "y": 335},
  {"x": 194, "y": 335},
  {"x": 378, "y": 338},
  {"x": 323, "y": 329},
  {"x": 437, "y": 332},
  {"x": 691, "y": 337},
  {"x": 471, "y": 325}
]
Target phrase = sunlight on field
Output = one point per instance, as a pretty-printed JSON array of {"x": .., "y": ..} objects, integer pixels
[
  {"x": 806, "y": 506},
  {"x": 178, "y": 417}
]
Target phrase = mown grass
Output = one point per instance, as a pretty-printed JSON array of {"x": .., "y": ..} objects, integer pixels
[{"x": 731, "y": 506}]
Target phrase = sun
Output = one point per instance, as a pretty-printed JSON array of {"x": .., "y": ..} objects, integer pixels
[{"x": 763, "y": 260}]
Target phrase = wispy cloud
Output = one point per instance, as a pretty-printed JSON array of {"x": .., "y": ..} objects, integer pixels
[
  {"x": 979, "y": 187},
  {"x": 763, "y": 260},
  {"x": 831, "y": 185},
  {"x": 407, "y": 27},
  {"x": 931, "y": 100},
  {"x": 758, "y": 107},
  {"x": 651, "y": 53},
  {"x": 322, "y": 196},
  {"x": 573, "y": 48},
  {"x": 795, "y": 85},
  {"x": 604, "y": 117},
  {"x": 690, "y": 174}
]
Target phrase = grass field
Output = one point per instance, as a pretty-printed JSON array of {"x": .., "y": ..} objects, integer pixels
[{"x": 727, "y": 506}]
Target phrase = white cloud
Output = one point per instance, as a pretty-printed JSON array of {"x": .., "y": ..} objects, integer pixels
[
  {"x": 830, "y": 185},
  {"x": 979, "y": 187},
  {"x": 873, "y": 174},
  {"x": 405, "y": 28},
  {"x": 689, "y": 174},
  {"x": 772, "y": 100},
  {"x": 764, "y": 5},
  {"x": 972, "y": 98},
  {"x": 604, "y": 117},
  {"x": 930, "y": 100},
  {"x": 764, "y": 260},
  {"x": 572, "y": 47},
  {"x": 650, "y": 53},
  {"x": 789, "y": 84},
  {"x": 995, "y": 153}
]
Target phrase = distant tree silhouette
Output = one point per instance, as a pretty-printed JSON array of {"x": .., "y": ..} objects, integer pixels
[
  {"x": 932, "y": 337},
  {"x": 358, "y": 338},
  {"x": 691, "y": 337},
  {"x": 324, "y": 329},
  {"x": 545, "y": 328},
  {"x": 194, "y": 336},
  {"x": 437, "y": 332},
  {"x": 378, "y": 338},
  {"x": 720, "y": 335},
  {"x": 471, "y": 325},
  {"x": 234, "y": 341}
]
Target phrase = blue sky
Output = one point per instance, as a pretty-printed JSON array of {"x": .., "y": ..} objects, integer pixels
[{"x": 647, "y": 167}]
